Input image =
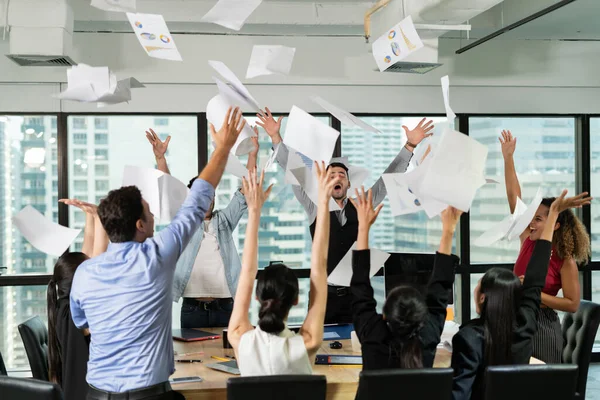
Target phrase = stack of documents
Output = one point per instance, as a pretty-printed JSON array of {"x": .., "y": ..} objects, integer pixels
[
  {"x": 97, "y": 85},
  {"x": 449, "y": 176},
  {"x": 164, "y": 194}
]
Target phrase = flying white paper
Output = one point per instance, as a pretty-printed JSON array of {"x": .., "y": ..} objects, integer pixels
[
  {"x": 457, "y": 172},
  {"x": 310, "y": 184},
  {"x": 97, "y": 85},
  {"x": 342, "y": 274},
  {"x": 235, "y": 167},
  {"x": 525, "y": 219},
  {"x": 34, "y": 157},
  {"x": 164, "y": 193},
  {"x": 402, "y": 201},
  {"x": 266, "y": 162},
  {"x": 216, "y": 111},
  {"x": 154, "y": 36},
  {"x": 115, "y": 5},
  {"x": 43, "y": 234},
  {"x": 344, "y": 116},
  {"x": 396, "y": 44},
  {"x": 446, "y": 93},
  {"x": 235, "y": 83},
  {"x": 173, "y": 193},
  {"x": 231, "y": 14},
  {"x": 294, "y": 162},
  {"x": 270, "y": 60},
  {"x": 313, "y": 138},
  {"x": 513, "y": 225}
]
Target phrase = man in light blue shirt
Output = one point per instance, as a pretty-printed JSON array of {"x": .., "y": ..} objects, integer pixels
[{"x": 124, "y": 296}]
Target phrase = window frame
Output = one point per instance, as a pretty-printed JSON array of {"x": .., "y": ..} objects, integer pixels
[{"x": 464, "y": 270}]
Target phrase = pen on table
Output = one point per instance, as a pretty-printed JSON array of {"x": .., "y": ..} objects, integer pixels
[
  {"x": 189, "y": 361},
  {"x": 220, "y": 358},
  {"x": 189, "y": 354}
]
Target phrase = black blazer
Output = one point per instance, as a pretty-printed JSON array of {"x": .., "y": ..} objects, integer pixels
[
  {"x": 468, "y": 345},
  {"x": 373, "y": 331},
  {"x": 74, "y": 353}
]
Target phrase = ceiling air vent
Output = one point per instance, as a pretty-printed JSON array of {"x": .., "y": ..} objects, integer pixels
[
  {"x": 41, "y": 61},
  {"x": 412, "y": 67}
]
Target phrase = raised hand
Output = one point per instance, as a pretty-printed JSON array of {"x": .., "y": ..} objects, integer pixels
[
  {"x": 364, "y": 208},
  {"x": 158, "y": 146},
  {"x": 416, "y": 136},
  {"x": 450, "y": 217},
  {"x": 86, "y": 207},
  {"x": 270, "y": 125},
  {"x": 230, "y": 130},
  {"x": 256, "y": 146},
  {"x": 563, "y": 202},
  {"x": 253, "y": 190},
  {"x": 326, "y": 185},
  {"x": 508, "y": 143}
]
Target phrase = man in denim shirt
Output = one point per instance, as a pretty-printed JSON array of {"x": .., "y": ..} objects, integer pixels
[
  {"x": 207, "y": 272},
  {"x": 124, "y": 295}
]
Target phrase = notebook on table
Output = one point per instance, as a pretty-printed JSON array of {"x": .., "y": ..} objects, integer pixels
[
  {"x": 326, "y": 359},
  {"x": 193, "y": 335},
  {"x": 230, "y": 367}
]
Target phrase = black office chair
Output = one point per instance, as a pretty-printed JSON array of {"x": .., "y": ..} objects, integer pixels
[
  {"x": 526, "y": 382},
  {"x": 28, "y": 389},
  {"x": 2, "y": 366},
  {"x": 35, "y": 339},
  {"x": 276, "y": 387},
  {"x": 409, "y": 384},
  {"x": 579, "y": 332}
]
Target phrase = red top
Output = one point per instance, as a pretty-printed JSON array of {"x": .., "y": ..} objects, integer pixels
[{"x": 553, "y": 282}]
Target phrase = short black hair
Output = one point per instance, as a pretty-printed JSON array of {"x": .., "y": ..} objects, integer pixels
[
  {"x": 339, "y": 165},
  {"x": 119, "y": 213},
  {"x": 192, "y": 182}
]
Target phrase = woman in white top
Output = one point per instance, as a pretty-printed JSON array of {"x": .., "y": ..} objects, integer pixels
[{"x": 271, "y": 348}]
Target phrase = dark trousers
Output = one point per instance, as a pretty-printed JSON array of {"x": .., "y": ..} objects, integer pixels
[
  {"x": 339, "y": 305},
  {"x": 206, "y": 314},
  {"x": 162, "y": 391}
]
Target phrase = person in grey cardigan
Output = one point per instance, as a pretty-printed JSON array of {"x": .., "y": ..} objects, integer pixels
[{"x": 208, "y": 270}]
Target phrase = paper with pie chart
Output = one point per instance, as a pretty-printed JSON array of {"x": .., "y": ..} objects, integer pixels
[
  {"x": 396, "y": 44},
  {"x": 154, "y": 36}
]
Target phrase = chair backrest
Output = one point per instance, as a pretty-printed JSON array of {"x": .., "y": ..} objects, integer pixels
[
  {"x": 579, "y": 332},
  {"x": 2, "y": 366},
  {"x": 35, "y": 339},
  {"x": 28, "y": 389},
  {"x": 409, "y": 384},
  {"x": 526, "y": 382},
  {"x": 275, "y": 387}
]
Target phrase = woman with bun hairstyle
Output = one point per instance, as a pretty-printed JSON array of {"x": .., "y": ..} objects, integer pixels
[{"x": 271, "y": 348}]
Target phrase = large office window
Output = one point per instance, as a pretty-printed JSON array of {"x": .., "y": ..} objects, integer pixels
[
  {"x": 97, "y": 167},
  {"x": 26, "y": 179},
  {"x": 545, "y": 156}
]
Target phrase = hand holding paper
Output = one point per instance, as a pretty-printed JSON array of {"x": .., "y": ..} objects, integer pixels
[{"x": 216, "y": 110}]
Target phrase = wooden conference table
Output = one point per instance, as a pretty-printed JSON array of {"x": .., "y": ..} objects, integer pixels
[{"x": 342, "y": 381}]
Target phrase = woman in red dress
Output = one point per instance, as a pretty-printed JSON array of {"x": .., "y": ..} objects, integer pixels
[{"x": 570, "y": 246}]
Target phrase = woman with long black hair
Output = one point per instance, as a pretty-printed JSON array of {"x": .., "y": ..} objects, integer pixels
[
  {"x": 503, "y": 333},
  {"x": 408, "y": 332},
  {"x": 68, "y": 346}
]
